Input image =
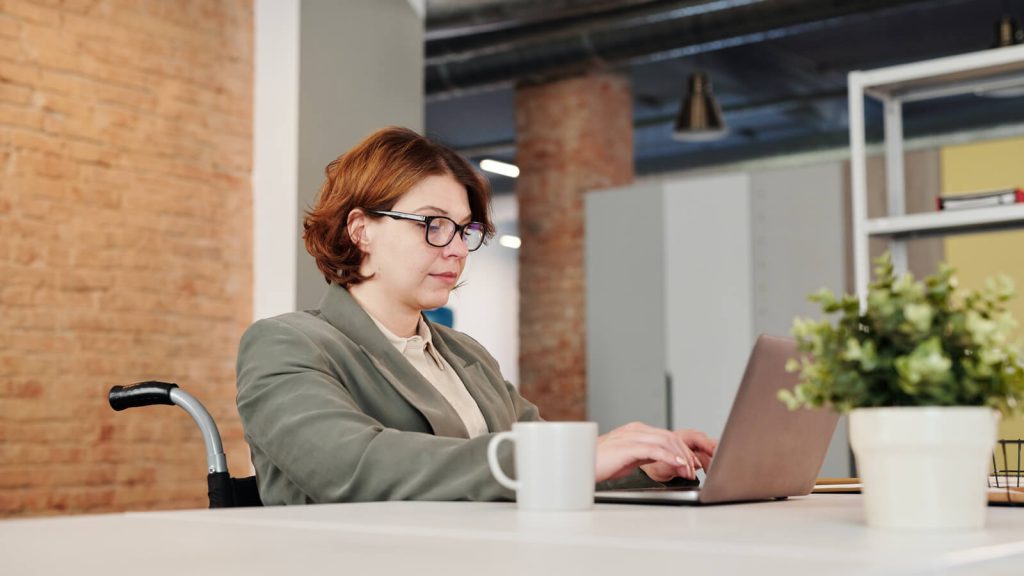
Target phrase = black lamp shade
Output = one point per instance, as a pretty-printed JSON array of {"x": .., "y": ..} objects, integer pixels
[{"x": 700, "y": 118}]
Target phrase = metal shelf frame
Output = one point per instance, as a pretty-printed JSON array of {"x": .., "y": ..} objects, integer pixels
[{"x": 976, "y": 72}]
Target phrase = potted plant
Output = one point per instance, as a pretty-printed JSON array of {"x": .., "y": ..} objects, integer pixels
[{"x": 924, "y": 372}]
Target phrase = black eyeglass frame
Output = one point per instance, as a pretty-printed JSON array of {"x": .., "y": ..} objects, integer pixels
[{"x": 426, "y": 220}]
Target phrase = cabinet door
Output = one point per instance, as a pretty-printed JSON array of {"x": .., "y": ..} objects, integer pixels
[
  {"x": 625, "y": 306},
  {"x": 798, "y": 248},
  {"x": 708, "y": 293}
]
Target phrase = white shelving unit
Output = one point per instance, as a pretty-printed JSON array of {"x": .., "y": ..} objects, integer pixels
[{"x": 977, "y": 72}]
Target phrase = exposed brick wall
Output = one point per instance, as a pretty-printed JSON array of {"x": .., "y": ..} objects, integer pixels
[
  {"x": 125, "y": 244},
  {"x": 573, "y": 135}
]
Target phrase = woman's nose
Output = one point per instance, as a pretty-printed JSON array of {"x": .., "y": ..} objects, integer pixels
[{"x": 457, "y": 247}]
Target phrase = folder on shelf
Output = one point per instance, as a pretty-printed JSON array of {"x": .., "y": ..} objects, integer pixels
[{"x": 981, "y": 199}]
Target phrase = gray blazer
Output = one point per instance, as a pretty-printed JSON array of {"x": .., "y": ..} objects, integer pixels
[{"x": 333, "y": 412}]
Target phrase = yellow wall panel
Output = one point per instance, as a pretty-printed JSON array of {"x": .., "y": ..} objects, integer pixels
[{"x": 974, "y": 168}]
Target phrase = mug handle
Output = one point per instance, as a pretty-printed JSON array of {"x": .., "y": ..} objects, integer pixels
[{"x": 492, "y": 460}]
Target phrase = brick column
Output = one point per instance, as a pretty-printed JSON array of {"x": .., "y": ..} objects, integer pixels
[
  {"x": 125, "y": 245},
  {"x": 574, "y": 135}
]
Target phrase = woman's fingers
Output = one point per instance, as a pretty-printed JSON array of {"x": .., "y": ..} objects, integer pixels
[
  {"x": 666, "y": 453},
  {"x": 705, "y": 460},
  {"x": 684, "y": 449},
  {"x": 616, "y": 459},
  {"x": 698, "y": 441},
  {"x": 678, "y": 465},
  {"x": 662, "y": 438},
  {"x": 700, "y": 444},
  {"x": 671, "y": 451}
]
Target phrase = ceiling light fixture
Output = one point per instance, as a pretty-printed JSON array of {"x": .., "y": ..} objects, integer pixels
[
  {"x": 499, "y": 167},
  {"x": 509, "y": 241},
  {"x": 700, "y": 117}
]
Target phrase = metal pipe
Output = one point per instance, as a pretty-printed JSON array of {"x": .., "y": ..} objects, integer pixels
[
  {"x": 646, "y": 32},
  {"x": 215, "y": 459}
]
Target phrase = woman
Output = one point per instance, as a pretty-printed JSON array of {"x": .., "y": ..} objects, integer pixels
[{"x": 365, "y": 399}]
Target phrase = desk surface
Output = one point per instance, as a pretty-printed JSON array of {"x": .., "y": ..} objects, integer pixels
[{"x": 819, "y": 534}]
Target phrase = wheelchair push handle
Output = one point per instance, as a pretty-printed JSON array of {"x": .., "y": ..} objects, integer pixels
[
  {"x": 141, "y": 394},
  {"x": 152, "y": 392}
]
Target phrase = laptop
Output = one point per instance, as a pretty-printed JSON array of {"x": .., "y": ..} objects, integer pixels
[{"x": 766, "y": 451}]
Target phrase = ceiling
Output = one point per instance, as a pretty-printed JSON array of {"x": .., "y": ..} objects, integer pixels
[{"x": 778, "y": 67}]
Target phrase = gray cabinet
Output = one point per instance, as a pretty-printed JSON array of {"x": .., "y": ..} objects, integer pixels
[{"x": 684, "y": 273}]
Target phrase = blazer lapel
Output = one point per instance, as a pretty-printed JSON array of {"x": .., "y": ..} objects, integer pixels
[
  {"x": 416, "y": 390},
  {"x": 467, "y": 366},
  {"x": 344, "y": 313}
]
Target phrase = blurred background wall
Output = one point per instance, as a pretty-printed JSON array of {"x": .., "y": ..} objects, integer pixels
[
  {"x": 125, "y": 244},
  {"x": 988, "y": 165}
]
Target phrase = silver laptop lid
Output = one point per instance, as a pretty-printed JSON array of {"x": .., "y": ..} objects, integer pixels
[{"x": 766, "y": 450}]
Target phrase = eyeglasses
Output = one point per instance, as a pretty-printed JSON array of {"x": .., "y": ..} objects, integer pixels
[{"x": 441, "y": 230}]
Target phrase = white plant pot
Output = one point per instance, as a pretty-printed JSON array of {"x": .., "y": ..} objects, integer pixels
[{"x": 924, "y": 467}]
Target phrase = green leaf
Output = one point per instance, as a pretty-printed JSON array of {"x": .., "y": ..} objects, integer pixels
[{"x": 914, "y": 343}]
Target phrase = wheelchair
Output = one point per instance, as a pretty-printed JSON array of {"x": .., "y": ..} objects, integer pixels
[{"x": 223, "y": 490}]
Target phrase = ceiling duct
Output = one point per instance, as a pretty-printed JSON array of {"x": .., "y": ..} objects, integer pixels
[
  {"x": 451, "y": 18},
  {"x": 635, "y": 32}
]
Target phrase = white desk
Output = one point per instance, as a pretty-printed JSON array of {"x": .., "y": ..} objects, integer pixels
[{"x": 819, "y": 535}]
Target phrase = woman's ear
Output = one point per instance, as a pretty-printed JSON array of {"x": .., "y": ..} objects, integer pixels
[{"x": 358, "y": 230}]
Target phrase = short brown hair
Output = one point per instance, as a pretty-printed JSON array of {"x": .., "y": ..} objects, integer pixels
[{"x": 373, "y": 176}]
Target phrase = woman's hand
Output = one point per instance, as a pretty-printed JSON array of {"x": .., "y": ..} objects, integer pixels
[
  {"x": 702, "y": 447},
  {"x": 663, "y": 454}
]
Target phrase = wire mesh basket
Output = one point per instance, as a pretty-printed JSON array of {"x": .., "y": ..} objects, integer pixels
[{"x": 1005, "y": 481}]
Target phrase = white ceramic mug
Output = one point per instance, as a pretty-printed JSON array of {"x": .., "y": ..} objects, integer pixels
[{"x": 554, "y": 464}]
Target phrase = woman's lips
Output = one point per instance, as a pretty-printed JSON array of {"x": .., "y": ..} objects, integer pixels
[{"x": 449, "y": 277}]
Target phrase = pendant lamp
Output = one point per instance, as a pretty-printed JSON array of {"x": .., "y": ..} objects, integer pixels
[{"x": 700, "y": 117}]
